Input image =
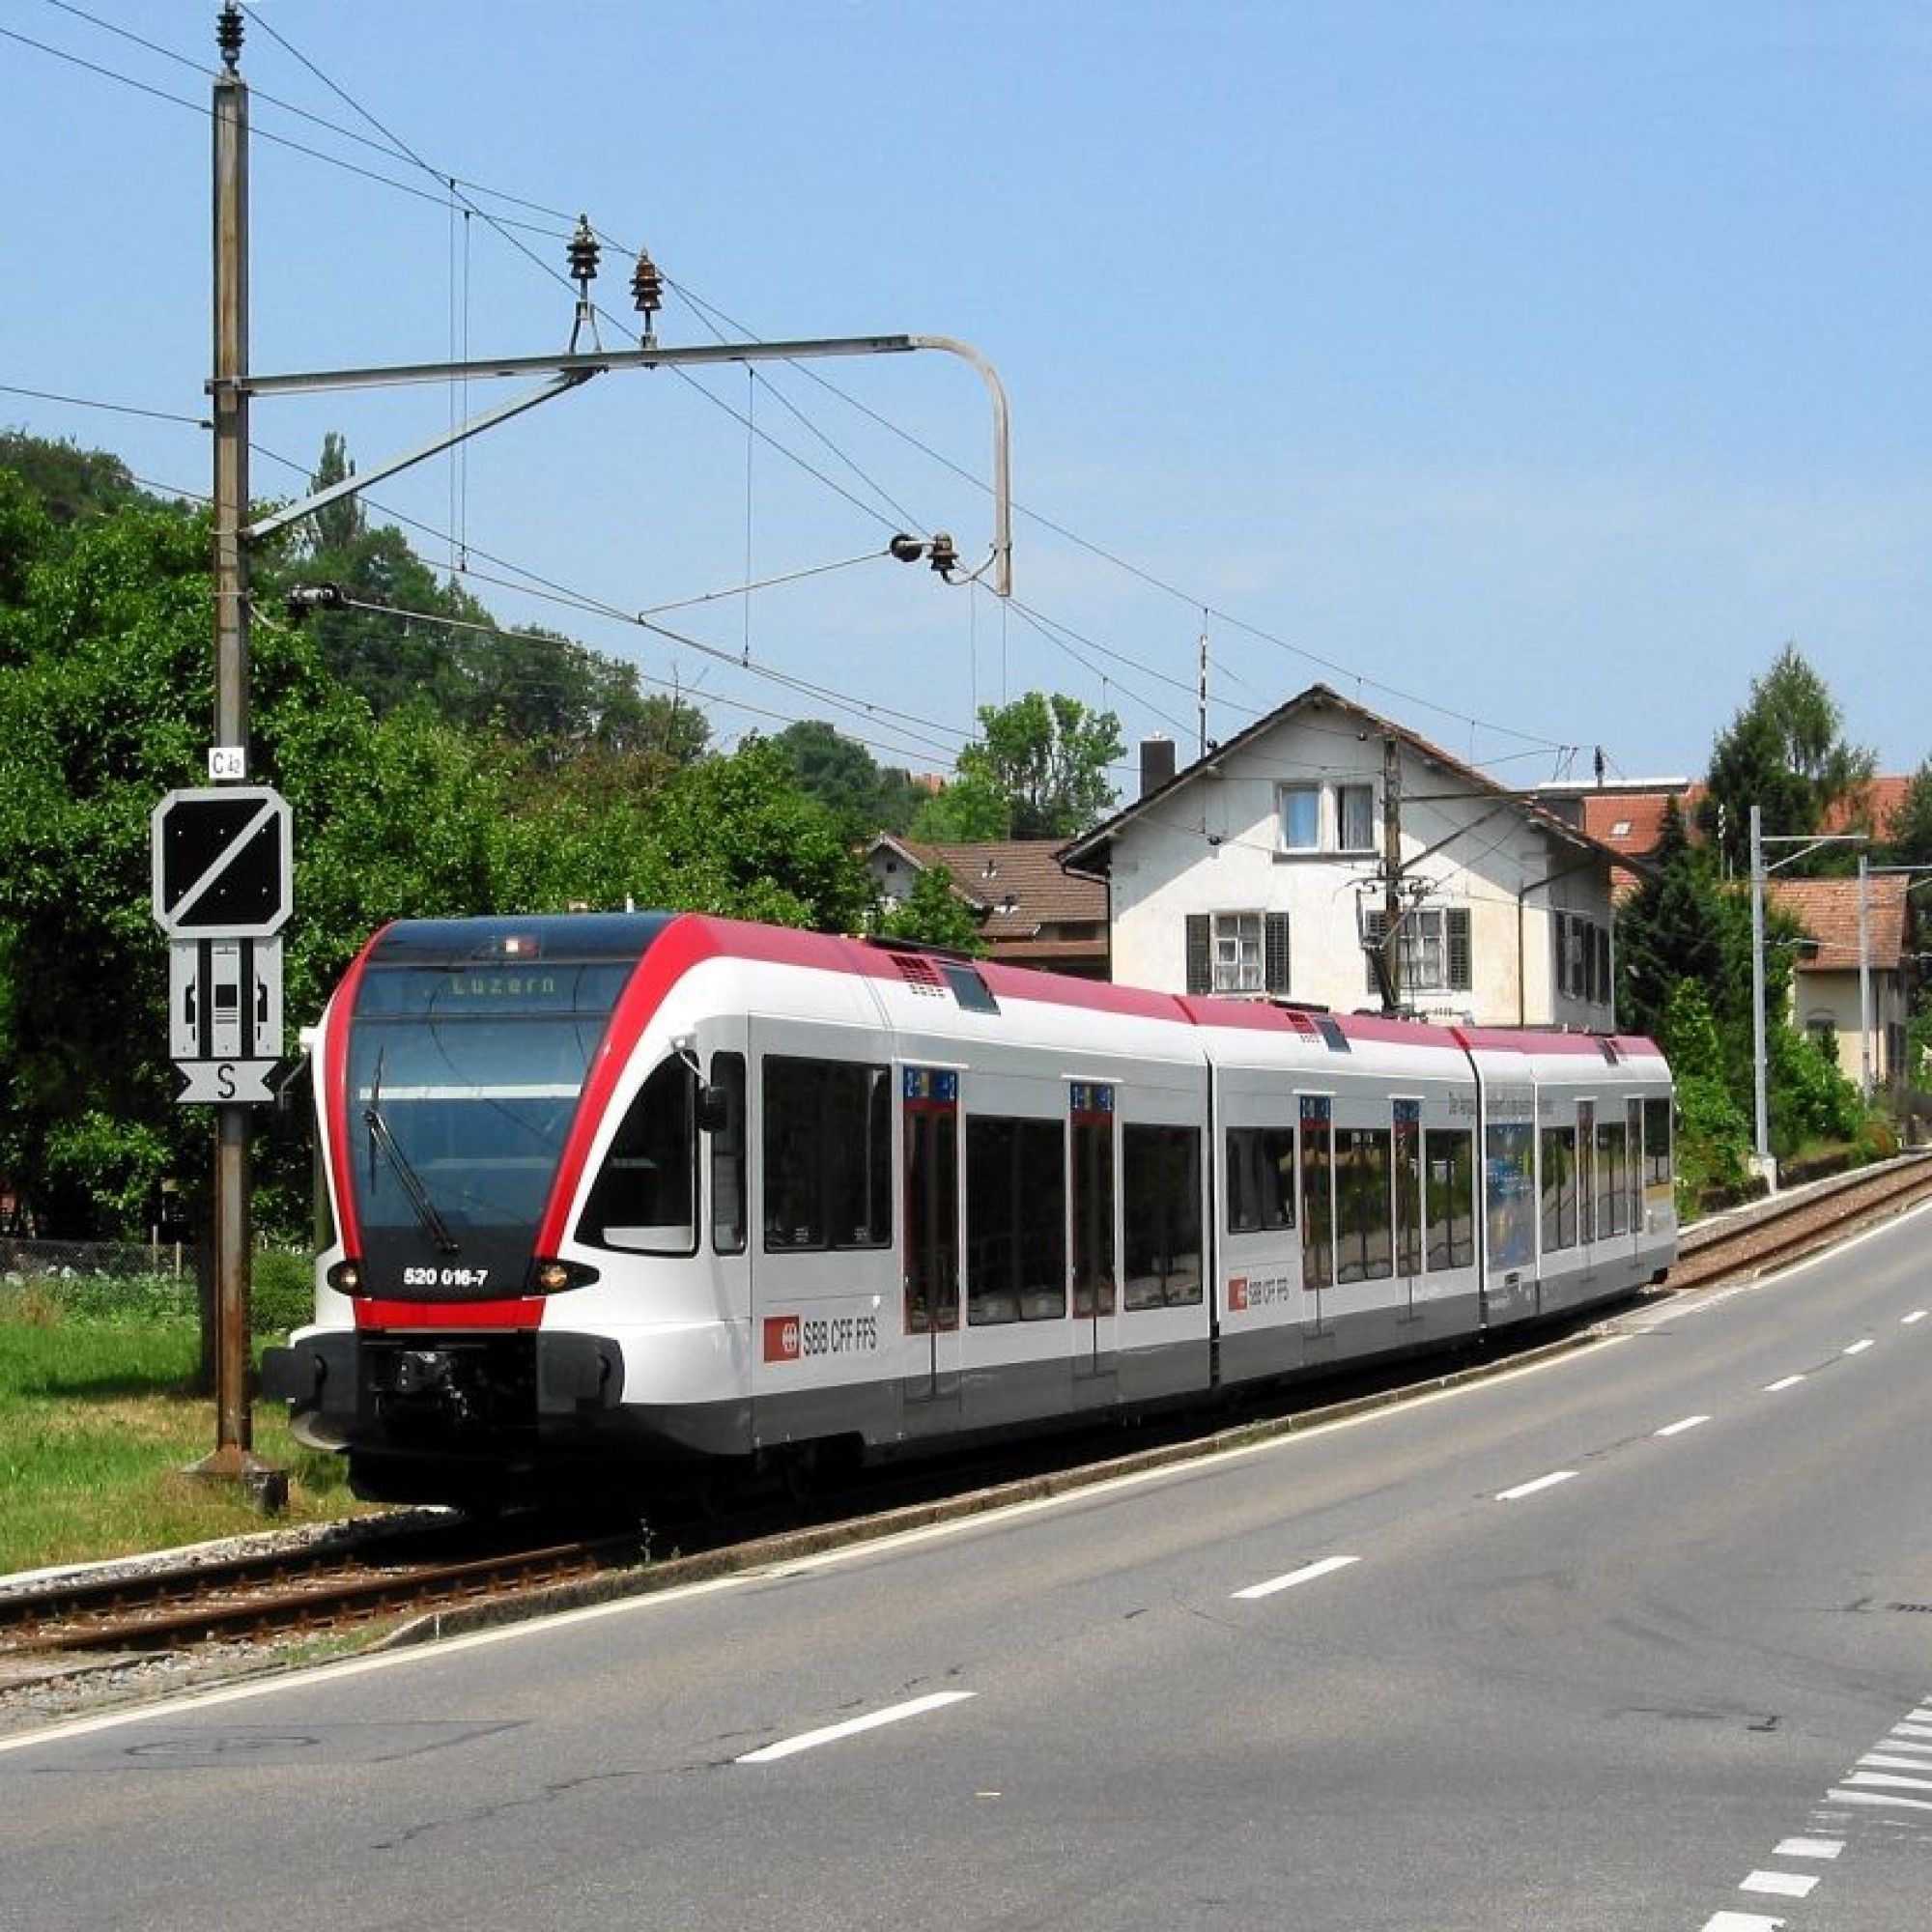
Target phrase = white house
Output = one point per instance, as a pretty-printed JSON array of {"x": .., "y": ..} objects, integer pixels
[{"x": 1270, "y": 866}]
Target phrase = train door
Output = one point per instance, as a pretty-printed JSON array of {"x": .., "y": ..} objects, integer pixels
[
  {"x": 1633, "y": 1170},
  {"x": 1407, "y": 1177},
  {"x": 724, "y": 1152},
  {"x": 1092, "y": 1247},
  {"x": 930, "y": 1357},
  {"x": 1316, "y": 1125},
  {"x": 1586, "y": 1172}
]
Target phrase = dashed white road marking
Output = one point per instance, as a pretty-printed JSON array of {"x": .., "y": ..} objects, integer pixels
[
  {"x": 1781, "y": 1884},
  {"x": 1858, "y": 1348},
  {"x": 1741, "y": 1921},
  {"x": 1917, "y": 1314},
  {"x": 1522, "y": 1489},
  {"x": 1678, "y": 1428},
  {"x": 1307, "y": 1573},
  {"x": 830, "y": 1733},
  {"x": 1808, "y": 1848},
  {"x": 1786, "y": 1383}
]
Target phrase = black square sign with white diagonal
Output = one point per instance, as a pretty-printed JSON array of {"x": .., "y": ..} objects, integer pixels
[{"x": 224, "y": 867}]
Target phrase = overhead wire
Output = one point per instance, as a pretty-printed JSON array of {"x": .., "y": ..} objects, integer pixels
[{"x": 711, "y": 315}]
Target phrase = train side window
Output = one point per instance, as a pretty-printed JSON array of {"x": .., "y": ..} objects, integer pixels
[
  {"x": 1449, "y": 1198},
  {"x": 728, "y": 1157},
  {"x": 1161, "y": 1174},
  {"x": 1657, "y": 1143},
  {"x": 827, "y": 1155},
  {"x": 1261, "y": 1178},
  {"x": 1613, "y": 1181},
  {"x": 1015, "y": 1220},
  {"x": 1559, "y": 1188},
  {"x": 1364, "y": 1207},
  {"x": 645, "y": 1196}
]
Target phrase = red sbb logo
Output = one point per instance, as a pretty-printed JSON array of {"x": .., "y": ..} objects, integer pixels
[
  {"x": 1237, "y": 1295},
  {"x": 782, "y": 1340}
]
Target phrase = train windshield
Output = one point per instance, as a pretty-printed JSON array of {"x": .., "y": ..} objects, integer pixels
[{"x": 464, "y": 1076}]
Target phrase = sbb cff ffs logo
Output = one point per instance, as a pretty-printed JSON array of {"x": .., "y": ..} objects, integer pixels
[{"x": 783, "y": 1342}]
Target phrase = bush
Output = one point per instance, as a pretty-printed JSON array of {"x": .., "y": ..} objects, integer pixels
[{"x": 283, "y": 1292}]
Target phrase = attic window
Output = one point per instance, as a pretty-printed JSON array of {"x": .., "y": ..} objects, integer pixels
[{"x": 1621, "y": 829}]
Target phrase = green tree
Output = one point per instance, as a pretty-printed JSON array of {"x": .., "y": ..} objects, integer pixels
[
  {"x": 738, "y": 836},
  {"x": 69, "y": 484},
  {"x": 1047, "y": 755},
  {"x": 934, "y": 913},
  {"x": 971, "y": 810},
  {"x": 835, "y": 770},
  {"x": 1671, "y": 928},
  {"x": 1785, "y": 754}
]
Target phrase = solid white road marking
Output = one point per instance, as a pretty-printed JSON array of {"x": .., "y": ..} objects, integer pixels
[
  {"x": 1783, "y": 1885},
  {"x": 830, "y": 1733},
  {"x": 1678, "y": 1428},
  {"x": 1808, "y": 1848},
  {"x": 1858, "y": 1348},
  {"x": 1522, "y": 1489},
  {"x": 1307, "y": 1573},
  {"x": 1778, "y": 1387}
]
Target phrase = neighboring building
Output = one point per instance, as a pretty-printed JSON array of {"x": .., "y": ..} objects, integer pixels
[
  {"x": 1848, "y": 956},
  {"x": 1625, "y": 815},
  {"x": 1261, "y": 869},
  {"x": 1834, "y": 974},
  {"x": 1031, "y": 911}
]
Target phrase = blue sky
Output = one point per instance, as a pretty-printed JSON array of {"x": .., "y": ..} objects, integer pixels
[{"x": 1531, "y": 372}]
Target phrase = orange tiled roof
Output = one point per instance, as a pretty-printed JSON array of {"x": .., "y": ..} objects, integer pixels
[
  {"x": 1024, "y": 871},
  {"x": 1827, "y": 911}
]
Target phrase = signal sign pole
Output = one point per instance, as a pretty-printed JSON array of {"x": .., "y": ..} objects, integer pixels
[{"x": 233, "y": 1456}]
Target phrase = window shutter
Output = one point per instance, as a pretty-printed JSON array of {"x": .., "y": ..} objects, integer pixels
[
  {"x": 1200, "y": 954},
  {"x": 1561, "y": 929},
  {"x": 1461, "y": 957},
  {"x": 1374, "y": 923},
  {"x": 1274, "y": 948},
  {"x": 1604, "y": 989}
]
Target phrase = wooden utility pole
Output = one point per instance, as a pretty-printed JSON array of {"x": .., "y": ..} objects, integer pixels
[
  {"x": 1391, "y": 872},
  {"x": 233, "y": 1454}
]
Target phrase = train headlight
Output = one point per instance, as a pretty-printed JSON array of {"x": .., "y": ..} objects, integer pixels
[
  {"x": 345, "y": 1277},
  {"x": 553, "y": 1277}
]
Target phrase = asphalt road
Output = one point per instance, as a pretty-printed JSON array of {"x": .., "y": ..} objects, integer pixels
[{"x": 1640, "y": 1638}]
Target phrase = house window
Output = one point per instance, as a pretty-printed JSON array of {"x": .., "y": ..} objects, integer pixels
[
  {"x": 1350, "y": 820},
  {"x": 1237, "y": 953},
  {"x": 1436, "y": 950},
  {"x": 1300, "y": 818},
  {"x": 1582, "y": 958},
  {"x": 1355, "y": 817}
]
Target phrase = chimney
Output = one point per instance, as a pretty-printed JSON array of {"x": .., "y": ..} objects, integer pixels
[{"x": 1156, "y": 764}]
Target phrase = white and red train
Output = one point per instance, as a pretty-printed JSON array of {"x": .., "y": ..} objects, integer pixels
[{"x": 611, "y": 1192}]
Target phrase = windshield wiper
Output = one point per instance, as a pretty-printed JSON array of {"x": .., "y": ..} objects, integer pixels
[{"x": 380, "y": 1136}]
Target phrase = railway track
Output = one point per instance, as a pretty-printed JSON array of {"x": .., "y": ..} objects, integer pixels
[
  {"x": 1771, "y": 1235},
  {"x": 347, "y": 1580},
  {"x": 381, "y": 1579}
]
